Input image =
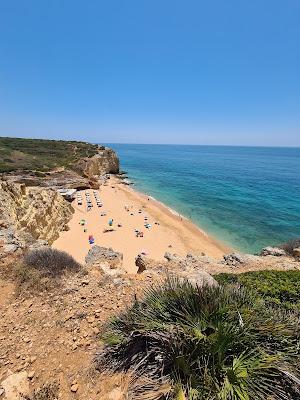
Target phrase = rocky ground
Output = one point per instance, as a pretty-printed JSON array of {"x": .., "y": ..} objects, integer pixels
[
  {"x": 52, "y": 336},
  {"x": 48, "y": 339}
]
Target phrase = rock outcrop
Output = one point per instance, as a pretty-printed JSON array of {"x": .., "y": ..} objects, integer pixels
[
  {"x": 105, "y": 162},
  {"x": 106, "y": 260},
  {"x": 296, "y": 252},
  {"x": 190, "y": 268},
  {"x": 236, "y": 259},
  {"x": 29, "y": 214},
  {"x": 15, "y": 386},
  {"x": 85, "y": 173},
  {"x": 141, "y": 263},
  {"x": 273, "y": 251},
  {"x": 57, "y": 179}
]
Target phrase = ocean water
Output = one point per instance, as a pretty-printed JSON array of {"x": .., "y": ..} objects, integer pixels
[{"x": 247, "y": 197}]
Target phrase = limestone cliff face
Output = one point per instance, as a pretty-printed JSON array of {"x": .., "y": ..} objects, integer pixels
[
  {"x": 105, "y": 162},
  {"x": 31, "y": 212},
  {"x": 85, "y": 173}
]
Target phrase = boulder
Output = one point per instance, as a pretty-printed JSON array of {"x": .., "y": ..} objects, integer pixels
[
  {"x": 296, "y": 252},
  {"x": 192, "y": 259},
  {"x": 98, "y": 254},
  {"x": 200, "y": 278},
  {"x": 10, "y": 248},
  {"x": 108, "y": 270},
  {"x": 171, "y": 257},
  {"x": 116, "y": 394},
  {"x": 106, "y": 260},
  {"x": 234, "y": 259},
  {"x": 16, "y": 386},
  {"x": 141, "y": 263},
  {"x": 272, "y": 251}
]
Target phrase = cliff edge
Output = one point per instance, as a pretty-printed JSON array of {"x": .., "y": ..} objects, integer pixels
[
  {"x": 28, "y": 214},
  {"x": 105, "y": 161},
  {"x": 55, "y": 163},
  {"x": 31, "y": 209}
]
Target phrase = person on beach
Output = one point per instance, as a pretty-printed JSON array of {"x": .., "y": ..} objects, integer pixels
[{"x": 110, "y": 222}]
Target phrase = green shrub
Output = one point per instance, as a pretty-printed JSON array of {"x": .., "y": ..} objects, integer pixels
[
  {"x": 211, "y": 343},
  {"x": 41, "y": 154},
  {"x": 277, "y": 287}
]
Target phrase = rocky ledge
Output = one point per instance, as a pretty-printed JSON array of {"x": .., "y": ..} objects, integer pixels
[{"x": 83, "y": 174}]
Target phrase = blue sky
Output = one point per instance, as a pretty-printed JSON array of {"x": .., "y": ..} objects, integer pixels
[{"x": 151, "y": 71}]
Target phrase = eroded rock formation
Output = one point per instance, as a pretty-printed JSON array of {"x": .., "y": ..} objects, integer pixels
[
  {"x": 105, "y": 162},
  {"x": 84, "y": 174},
  {"x": 106, "y": 260},
  {"x": 28, "y": 214}
]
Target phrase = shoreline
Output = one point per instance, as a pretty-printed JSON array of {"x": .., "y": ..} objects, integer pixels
[
  {"x": 173, "y": 213},
  {"x": 131, "y": 210}
]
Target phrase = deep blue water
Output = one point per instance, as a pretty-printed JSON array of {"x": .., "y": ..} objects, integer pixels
[{"x": 248, "y": 197}]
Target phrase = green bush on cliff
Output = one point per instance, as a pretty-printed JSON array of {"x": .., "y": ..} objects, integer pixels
[
  {"x": 40, "y": 154},
  {"x": 281, "y": 288},
  {"x": 211, "y": 343}
]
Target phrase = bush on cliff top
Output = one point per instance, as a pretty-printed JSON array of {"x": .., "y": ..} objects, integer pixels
[
  {"x": 281, "y": 288},
  {"x": 41, "y": 154},
  {"x": 41, "y": 269},
  {"x": 290, "y": 246},
  {"x": 51, "y": 262},
  {"x": 211, "y": 343}
]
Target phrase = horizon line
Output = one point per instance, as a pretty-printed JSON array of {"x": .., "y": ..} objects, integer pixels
[
  {"x": 197, "y": 144},
  {"x": 157, "y": 144}
]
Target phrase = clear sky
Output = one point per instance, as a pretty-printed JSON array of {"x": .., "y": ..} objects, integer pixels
[{"x": 151, "y": 71}]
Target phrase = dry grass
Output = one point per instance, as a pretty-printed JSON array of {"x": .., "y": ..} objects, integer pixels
[
  {"x": 128, "y": 386},
  {"x": 41, "y": 270},
  {"x": 290, "y": 246},
  {"x": 32, "y": 280},
  {"x": 51, "y": 262},
  {"x": 49, "y": 391}
]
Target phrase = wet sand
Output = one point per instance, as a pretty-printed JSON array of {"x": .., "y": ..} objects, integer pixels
[{"x": 173, "y": 233}]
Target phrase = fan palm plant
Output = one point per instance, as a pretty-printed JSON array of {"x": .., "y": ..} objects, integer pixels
[{"x": 210, "y": 343}]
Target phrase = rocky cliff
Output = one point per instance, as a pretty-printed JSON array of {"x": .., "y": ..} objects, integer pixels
[
  {"x": 84, "y": 172},
  {"x": 30, "y": 213},
  {"x": 105, "y": 161},
  {"x": 31, "y": 209}
]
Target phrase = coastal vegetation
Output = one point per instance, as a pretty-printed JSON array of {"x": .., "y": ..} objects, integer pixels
[
  {"x": 290, "y": 246},
  {"x": 51, "y": 262},
  {"x": 41, "y": 155},
  {"x": 40, "y": 269},
  {"x": 207, "y": 342},
  {"x": 277, "y": 288}
]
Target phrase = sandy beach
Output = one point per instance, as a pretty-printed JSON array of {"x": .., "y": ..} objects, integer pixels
[{"x": 130, "y": 211}]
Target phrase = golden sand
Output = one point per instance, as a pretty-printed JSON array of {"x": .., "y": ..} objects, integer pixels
[{"x": 169, "y": 232}]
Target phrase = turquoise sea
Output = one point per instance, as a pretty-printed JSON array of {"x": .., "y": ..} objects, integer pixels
[{"x": 247, "y": 197}]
